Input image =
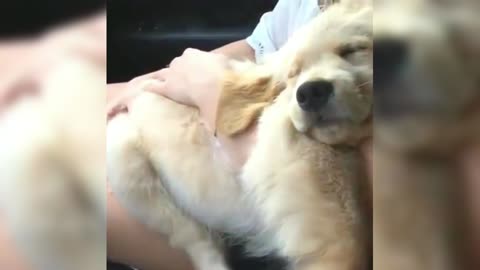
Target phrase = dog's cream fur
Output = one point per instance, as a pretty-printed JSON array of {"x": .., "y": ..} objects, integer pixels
[{"x": 297, "y": 193}]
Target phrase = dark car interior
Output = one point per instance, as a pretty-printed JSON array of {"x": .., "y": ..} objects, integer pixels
[{"x": 145, "y": 35}]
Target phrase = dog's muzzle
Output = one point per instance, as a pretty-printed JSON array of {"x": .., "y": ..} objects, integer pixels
[{"x": 312, "y": 96}]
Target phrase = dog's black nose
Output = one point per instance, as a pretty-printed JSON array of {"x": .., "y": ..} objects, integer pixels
[
  {"x": 389, "y": 56},
  {"x": 313, "y": 95}
]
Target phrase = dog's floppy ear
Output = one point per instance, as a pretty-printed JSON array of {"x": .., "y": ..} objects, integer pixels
[{"x": 243, "y": 98}]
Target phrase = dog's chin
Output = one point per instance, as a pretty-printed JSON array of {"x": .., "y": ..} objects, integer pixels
[
  {"x": 301, "y": 121},
  {"x": 341, "y": 133},
  {"x": 332, "y": 131}
]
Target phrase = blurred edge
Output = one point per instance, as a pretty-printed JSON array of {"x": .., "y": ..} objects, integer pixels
[{"x": 52, "y": 171}]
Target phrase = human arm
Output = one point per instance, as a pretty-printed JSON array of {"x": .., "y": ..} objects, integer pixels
[
  {"x": 239, "y": 50},
  {"x": 130, "y": 242}
]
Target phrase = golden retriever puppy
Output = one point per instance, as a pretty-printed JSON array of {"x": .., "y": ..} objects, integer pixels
[
  {"x": 52, "y": 169},
  {"x": 427, "y": 87},
  {"x": 297, "y": 195}
]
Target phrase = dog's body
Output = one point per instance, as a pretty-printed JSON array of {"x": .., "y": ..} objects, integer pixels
[{"x": 297, "y": 193}]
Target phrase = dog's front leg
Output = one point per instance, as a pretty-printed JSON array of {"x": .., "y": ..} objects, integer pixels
[{"x": 140, "y": 189}]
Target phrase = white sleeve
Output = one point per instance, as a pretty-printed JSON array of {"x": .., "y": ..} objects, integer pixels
[{"x": 272, "y": 30}]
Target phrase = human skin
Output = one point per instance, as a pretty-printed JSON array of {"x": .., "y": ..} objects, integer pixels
[{"x": 129, "y": 242}]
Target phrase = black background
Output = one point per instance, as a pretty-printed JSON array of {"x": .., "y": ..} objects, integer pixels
[{"x": 145, "y": 35}]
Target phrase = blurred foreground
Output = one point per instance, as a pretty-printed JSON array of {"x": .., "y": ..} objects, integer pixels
[
  {"x": 52, "y": 141},
  {"x": 427, "y": 120}
]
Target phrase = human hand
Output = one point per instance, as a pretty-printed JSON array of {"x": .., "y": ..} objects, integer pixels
[
  {"x": 192, "y": 79},
  {"x": 119, "y": 95}
]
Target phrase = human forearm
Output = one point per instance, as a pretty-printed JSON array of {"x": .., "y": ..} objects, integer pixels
[
  {"x": 129, "y": 242},
  {"x": 237, "y": 50}
]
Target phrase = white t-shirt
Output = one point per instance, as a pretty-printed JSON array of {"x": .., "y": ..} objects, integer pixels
[{"x": 275, "y": 27}]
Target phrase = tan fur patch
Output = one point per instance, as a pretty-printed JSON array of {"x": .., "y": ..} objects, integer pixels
[{"x": 243, "y": 98}]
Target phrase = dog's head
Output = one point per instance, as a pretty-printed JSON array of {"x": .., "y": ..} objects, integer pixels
[
  {"x": 426, "y": 78},
  {"x": 332, "y": 98},
  {"x": 328, "y": 67}
]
